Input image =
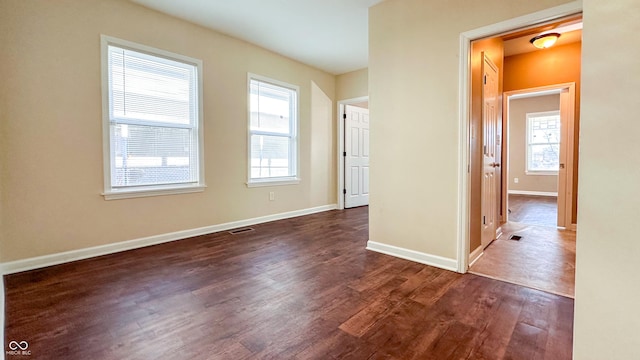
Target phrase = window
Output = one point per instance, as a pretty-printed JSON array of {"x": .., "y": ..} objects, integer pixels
[
  {"x": 273, "y": 125},
  {"x": 152, "y": 121},
  {"x": 543, "y": 143}
]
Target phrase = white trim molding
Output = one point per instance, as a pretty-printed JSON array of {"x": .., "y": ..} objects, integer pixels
[
  {"x": 264, "y": 183},
  {"x": 412, "y": 255},
  {"x": 86, "y": 253},
  {"x": 567, "y": 142},
  {"x": 152, "y": 191},
  {"x": 342, "y": 104},
  {"x": 475, "y": 255},
  {"x": 532, "y": 193}
]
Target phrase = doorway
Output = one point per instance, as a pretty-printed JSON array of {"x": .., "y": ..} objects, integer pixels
[
  {"x": 532, "y": 250},
  {"x": 353, "y": 152},
  {"x": 539, "y": 162},
  {"x": 470, "y": 249}
]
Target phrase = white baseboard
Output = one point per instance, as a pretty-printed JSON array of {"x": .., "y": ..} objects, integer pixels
[
  {"x": 80, "y": 254},
  {"x": 533, "y": 193},
  {"x": 419, "y": 257},
  {"x": 475, "y": 255}
]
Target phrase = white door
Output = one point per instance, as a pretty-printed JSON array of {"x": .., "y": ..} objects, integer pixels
[
  {"x": 490, "y": 104},
  {"x": 356, "y": 162}
]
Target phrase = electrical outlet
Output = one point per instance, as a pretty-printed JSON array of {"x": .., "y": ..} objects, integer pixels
[
  {"x": 272, "y": 196},
  {"x": 515, "y": 180}
]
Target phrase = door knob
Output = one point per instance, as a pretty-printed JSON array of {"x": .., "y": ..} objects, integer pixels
[{"x": 495, "y": 165}]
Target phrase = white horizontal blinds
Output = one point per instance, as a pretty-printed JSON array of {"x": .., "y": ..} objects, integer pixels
[
  {"x": 153, "y": 119},
  {"x": 273, "y": 130},
  {"x": 151, "y": 88}
]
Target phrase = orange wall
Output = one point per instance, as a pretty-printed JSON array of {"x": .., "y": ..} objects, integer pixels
[{"x": 555, "y": 65}]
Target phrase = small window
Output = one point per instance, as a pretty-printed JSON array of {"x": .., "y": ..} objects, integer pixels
[
  {"x": 153, "y": 121},
  {"x": 273, "y": 132},
  {"x": 543, "y": 143}
]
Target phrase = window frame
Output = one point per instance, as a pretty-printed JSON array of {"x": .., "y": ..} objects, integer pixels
[
  {"x": 111, "y": 193},
  {"x": 528, "y": 120},
  {"x": 294, "y": 135}
]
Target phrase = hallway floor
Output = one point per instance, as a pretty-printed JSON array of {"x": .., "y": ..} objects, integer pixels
[
  {"x": 544, "y": 258},
  {"x": 533, "y": 210}
]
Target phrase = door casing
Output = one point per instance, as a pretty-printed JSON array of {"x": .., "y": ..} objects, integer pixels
[
  {"x": 567, "y": 93},
  {"x": 340, "y": 136},
  {"x": 357, "y": 157},
  {"x": 464, "y": 102}
]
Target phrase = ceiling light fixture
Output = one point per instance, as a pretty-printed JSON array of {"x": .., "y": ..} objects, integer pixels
[{"x": 545, "y": 40}]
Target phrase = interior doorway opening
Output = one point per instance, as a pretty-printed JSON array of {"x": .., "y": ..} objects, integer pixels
[
  {"x": 494, "y": 38},
  {"x": 519, "y": 70},
  {"x": 537, "y": 192},
  {"x": 348, "y": 182},
  {"x": 539, "y": 163}
]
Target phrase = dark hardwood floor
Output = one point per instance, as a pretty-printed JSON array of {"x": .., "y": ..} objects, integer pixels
[
  {"x": 303, "y": 288},
  {"x": 534, "y": 210}
]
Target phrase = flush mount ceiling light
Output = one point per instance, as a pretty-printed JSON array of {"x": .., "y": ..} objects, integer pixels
[{"x": 545, "y": 40}]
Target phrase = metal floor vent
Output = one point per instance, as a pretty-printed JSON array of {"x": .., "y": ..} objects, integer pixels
[
  {"x": 240, "y": 230},
  {"x": 515, "y": 237}
]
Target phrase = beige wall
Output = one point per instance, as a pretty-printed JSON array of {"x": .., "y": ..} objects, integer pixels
[
  {"x": 414, "y": 48},
  {"x": 3, "y": 153},
  {"x": 352, "y": 85},
  {"x": 518, "y": 110},
  {"x": 607, "y": 320},
  {"x": 324, "y": 146},
  {"x": 51, "y": 97},
  {"x": 413, "y": 99}
]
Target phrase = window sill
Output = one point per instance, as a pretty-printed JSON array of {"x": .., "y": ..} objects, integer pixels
[
  {"x": 544, "y": 173},
  {"x": 273, "y": 182},
  {"x": 152, "y": 191}
]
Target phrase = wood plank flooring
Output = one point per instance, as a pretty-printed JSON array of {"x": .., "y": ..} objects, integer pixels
[
  {"x": 302, "y": 288},
  {"x": 543, "y": 259},
  {"x": 533, "y": 210}
]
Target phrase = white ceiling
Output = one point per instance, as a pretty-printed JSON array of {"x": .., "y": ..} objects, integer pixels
[{"x": 331, "y": 35}]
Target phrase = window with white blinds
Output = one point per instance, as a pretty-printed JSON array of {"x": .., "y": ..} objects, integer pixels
[
  {"x": 153, "y": 119},
  {"x": 543, "y": 143},
  {"x": 273, "y": 136}
]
